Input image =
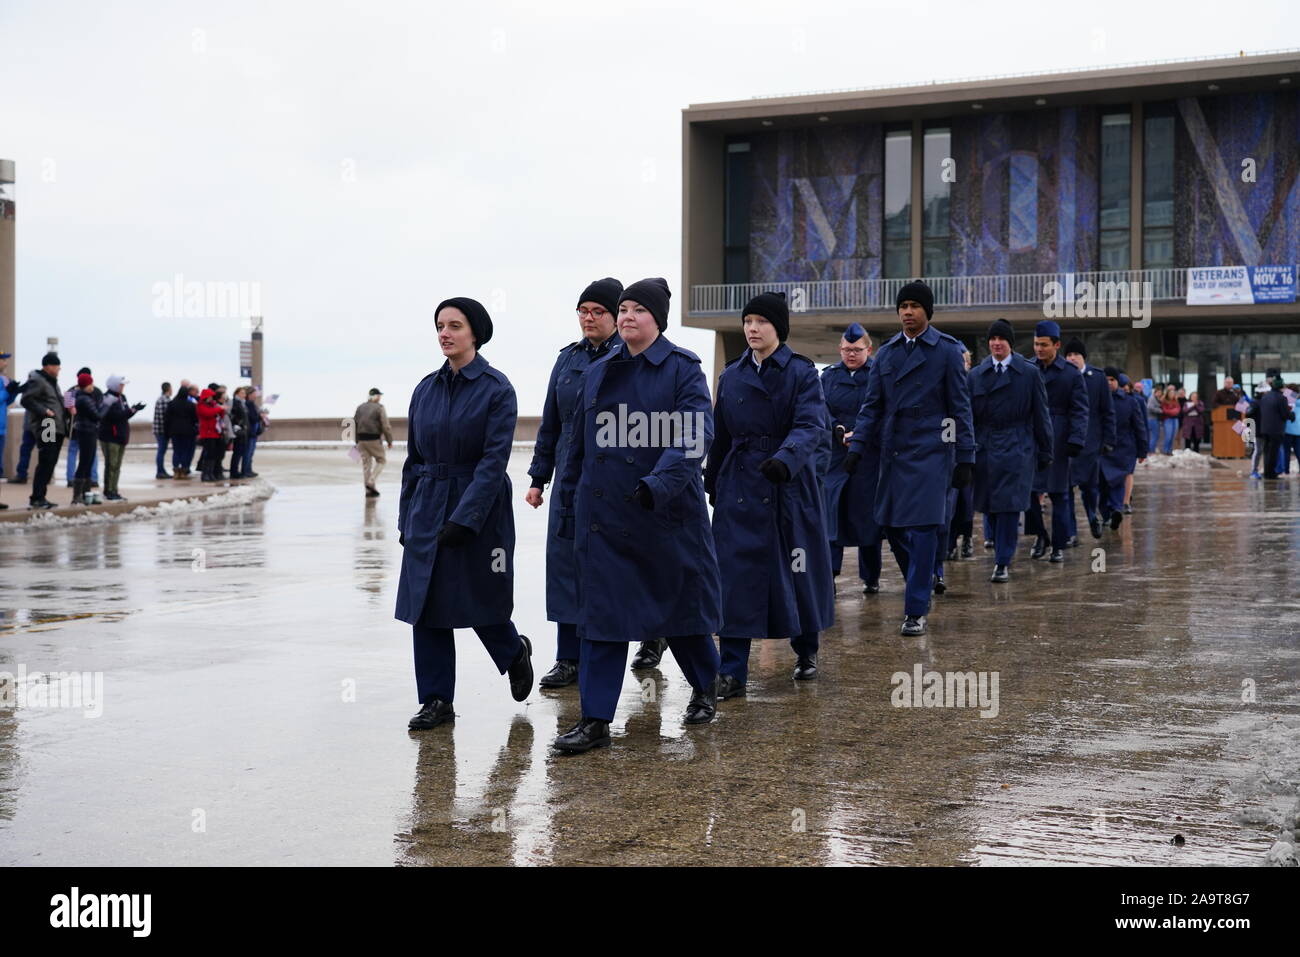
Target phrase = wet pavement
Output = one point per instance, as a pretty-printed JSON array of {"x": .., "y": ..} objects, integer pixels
[{"x": 255, "y": 693}]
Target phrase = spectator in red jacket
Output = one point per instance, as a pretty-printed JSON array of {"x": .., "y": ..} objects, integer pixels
[{"x": 209, "y": 435}]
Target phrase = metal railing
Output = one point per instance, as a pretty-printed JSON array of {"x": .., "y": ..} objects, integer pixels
[{"x": 1026, "y": 289}]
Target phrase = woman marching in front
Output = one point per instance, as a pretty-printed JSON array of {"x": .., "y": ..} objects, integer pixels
[
  {"x": 454, "y": 518},
  {"x": 768, "y": 520},
  {"x": 597, "y": 306},
  {"x": 633, "y": 498}
]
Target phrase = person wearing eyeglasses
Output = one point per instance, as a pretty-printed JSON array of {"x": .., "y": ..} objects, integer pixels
[
  {"x": 850, "y": 500},
  {"x": 597, "y": 305}
]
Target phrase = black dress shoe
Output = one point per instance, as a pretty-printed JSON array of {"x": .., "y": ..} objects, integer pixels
[
  {"x": 649, "y": 654},
  {"x": 871, "y": 588},
  {"x": 967, "y": 549},
  {"x": 40, "y": 503},
  {"x": 702, "y": 706},
  {"x": 583, "y": 736},
  {"x": 435, "y": 712},
  {"x": 1094, "y": 525},
  {"x": 729, "y": 686},
  {"x": 805, "y": 668},
  {"x": 940, "y": 586},
  {"x": 1073, "y": 542},
  {"x": 1039, "y": 549},
  {"x": 1128, "y": 509},
  {"x": 1000, "y": 574},
  {"x": 371, "y": 491},
  {"x": 913, "y": 625},
  {"x": 1058, "y": 556},
  {"x": 564, "y": 673},
  {"x": 988, "y": 543},
  {"x": 952, "y": 554},
  {"x": 521, "y": 672},
  {"x": 1116, "y": 518}
]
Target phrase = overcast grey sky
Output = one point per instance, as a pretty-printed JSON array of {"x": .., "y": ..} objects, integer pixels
[{"x": 362, "y": 161}]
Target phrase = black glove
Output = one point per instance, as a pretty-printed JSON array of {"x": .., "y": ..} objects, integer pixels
[
  {"x": 839, "y": 434},
  {"x": 452, "y": 535},
  {"x": 401, "y": 539},
  {"x": 1107, "y": 449},
  {"x": 138, "y": 406},
  {"x": 1044, "y": 462},
  {"x": 538, "y": 483},
  {"x": 851, "y": 462},
  {"x": 775, "y": 471},
  {"x": 643, "y": 496},
  {"x": 963, "y": 474},
  {"x": 713, "y": 500},
  {"x": 1074, "y": 450}
]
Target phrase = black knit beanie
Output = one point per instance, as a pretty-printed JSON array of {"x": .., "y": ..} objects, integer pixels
[
  {"x": 917, "y": 291},
  {"x": 654, "y": 295},
  {"x": 1001, "y": 329},
  {"x": 605, "y": 292},
  {"x": 1112, "y": 373},
  {"x": 1073, "y": 346},
  {"x": 480, "y": 323},
  {"x": 771, "y": 306}
]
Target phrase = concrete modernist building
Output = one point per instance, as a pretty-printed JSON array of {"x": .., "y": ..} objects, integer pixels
[{"x": 993, "y": 189}]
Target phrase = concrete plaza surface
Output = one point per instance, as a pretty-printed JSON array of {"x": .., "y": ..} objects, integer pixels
[{"x": 253, "y": 690}]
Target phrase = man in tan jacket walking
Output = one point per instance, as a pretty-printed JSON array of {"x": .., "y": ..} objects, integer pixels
[{"x": 372, "y": 430}]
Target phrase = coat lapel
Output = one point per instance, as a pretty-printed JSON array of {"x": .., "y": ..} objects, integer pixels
[{"x": 916, "y": 356}]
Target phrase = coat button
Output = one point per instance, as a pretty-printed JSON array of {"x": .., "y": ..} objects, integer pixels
[
  {"x": 597, "y": 492},
  {"x": 765, "y": 501},
  {"x": 595, "y": 527},
  {"x": 626, "y": 533},
  {"x": 600, "y": 458},
  {"x": 593, "y": 402},
  {"x": 566, "y": 380},
  {"x": 740, "y": 501},
  {"x": 629, "y": 460}
]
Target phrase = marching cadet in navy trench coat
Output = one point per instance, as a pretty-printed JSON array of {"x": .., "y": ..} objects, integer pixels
[
  {"x": 770, "y": 425},
  {"x": 917, "y": 411},
  {"x": 851, "y": 499},
  {"x": 1085, "y": 468},
  {"x": 454, "y": 518},
  {"x": 633, "y": 488},
  {"x": 1013, "y": 436},
  {"x": 596, "y": 308},
  {"x": 1067, "y": 399},
  {"x": 1130, "y": 447}
]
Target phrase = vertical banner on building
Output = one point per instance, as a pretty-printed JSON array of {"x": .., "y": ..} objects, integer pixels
[
  {"x": 246, "y": 360},
  {"x": 1239, "y": 285}
]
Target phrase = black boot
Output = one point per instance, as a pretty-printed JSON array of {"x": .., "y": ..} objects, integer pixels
[
  {"x": 586, "y": 734},
  {"x": 1039, "y": 549},
  {"x": 649, "y": 654},
  {"x": 967, "y": 549},
  {"x": 805, "y": 668},
  {"x": 434, "y": 712},
  {"x": 1000, "y": 574},
  {"x": 564, "y": 673},
  {"x": 78, "y": 491},
  {"x": 729, "y": 686},
  {"x": 703, "y": 705},
  {"x": 521, "y": 672}
]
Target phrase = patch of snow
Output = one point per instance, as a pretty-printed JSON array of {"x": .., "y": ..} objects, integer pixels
[{"x": 241, "y": 495}]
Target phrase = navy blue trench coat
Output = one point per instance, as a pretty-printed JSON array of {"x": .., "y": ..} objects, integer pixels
[
  {"x": 773, "y": 550},
  {"x": 917, "y": 411},
  {"x": 1131, "y": 438},
  {"x": 554, "y": 436},
  {"x": 642, "y": 573},
  {"x": 850, "y": 499},
  {"x": 1013, "y": 430},
  {"x": 1067, "y": 400},
  {"x": 460, "y": 430},
  {"x": 1101, "y": 427}
]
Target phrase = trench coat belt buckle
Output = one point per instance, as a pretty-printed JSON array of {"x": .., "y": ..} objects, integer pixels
[
  {"x": 761, "y": 442},
  {"x": 441, "y": 470}
]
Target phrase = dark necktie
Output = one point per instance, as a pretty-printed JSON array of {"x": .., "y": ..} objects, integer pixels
[{"x": 911, "y": 343}]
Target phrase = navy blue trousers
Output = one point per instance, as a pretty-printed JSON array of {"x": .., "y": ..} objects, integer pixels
[
  {"x": 602, "y": 664},
  {"x": 1112, "y": 497},
  {"x": 1060, "y": 518},
  {"x": 868, "y": 561},
  {"x": 435, "y": 656},
  {"x": 1005, "y": 534},
  {"x": 735, "y": 653},
  {"x": 1089, "y": 495},
  {"x": 914, "y": 547},
  {"x": 567, "y": 644}
]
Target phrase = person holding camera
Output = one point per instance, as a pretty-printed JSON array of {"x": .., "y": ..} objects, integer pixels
[{"x": 114, "y": 433}]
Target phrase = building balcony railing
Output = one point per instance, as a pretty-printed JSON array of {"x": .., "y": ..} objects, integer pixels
[{"x": 954, "y": 292}]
